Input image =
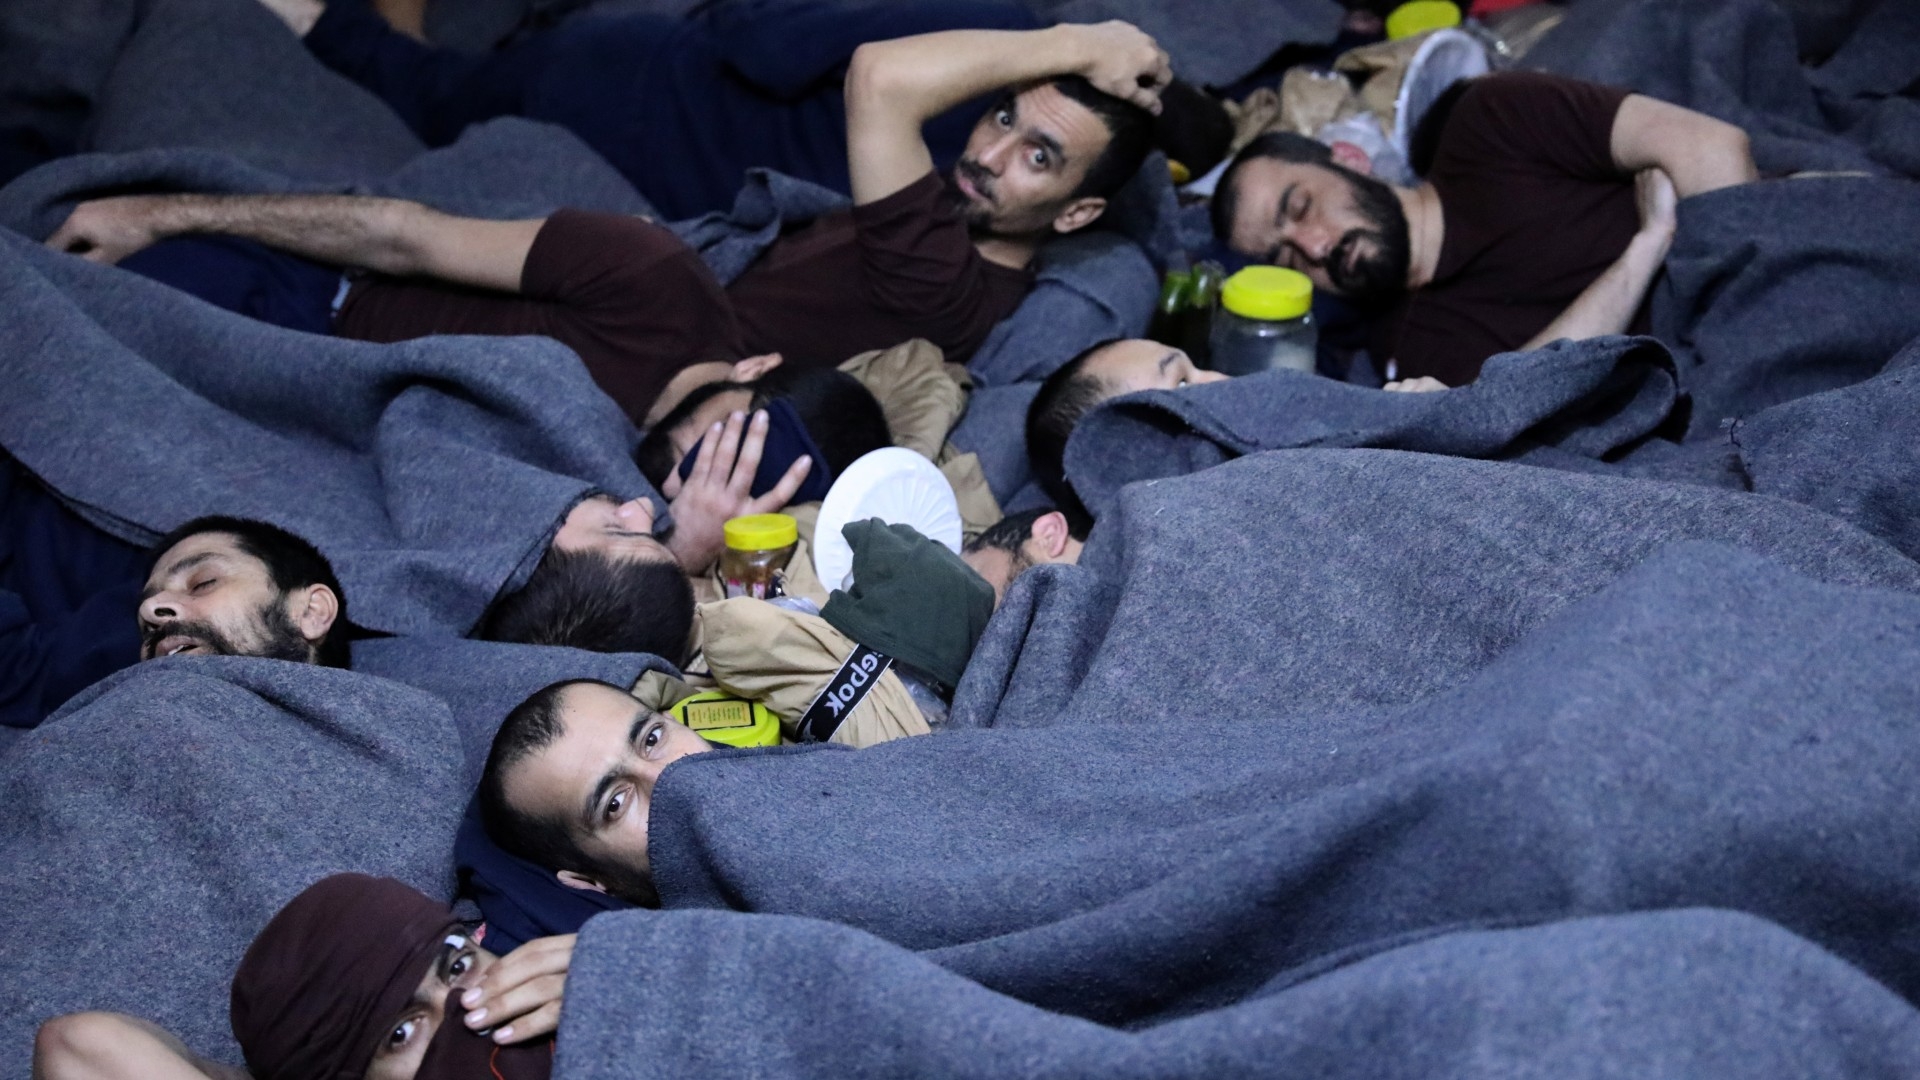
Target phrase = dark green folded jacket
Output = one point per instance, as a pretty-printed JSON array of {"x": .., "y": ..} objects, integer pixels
[{"x": 911, "y": 599}]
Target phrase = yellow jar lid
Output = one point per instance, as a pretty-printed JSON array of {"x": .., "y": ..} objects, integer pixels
[
  {"x": 761, "y": 532},
  {"x": 1420, "y": 16},
  {"x": 1268, "y": 292}
]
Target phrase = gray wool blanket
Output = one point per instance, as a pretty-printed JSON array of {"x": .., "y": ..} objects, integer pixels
[
  {"x": 1710, "y": 729},
  {"x": 481, "y": 681},
  {"x": 1306, "y": 580},
  {"x": 1699, "y": 994},
  {"x": 1785, "y": 288},
  {"x": 432, "y": 473},
  {"x": 1739, "y": 60},
  {"x": 150, "y": 828},
  {"x": 1593, "y": 399}
]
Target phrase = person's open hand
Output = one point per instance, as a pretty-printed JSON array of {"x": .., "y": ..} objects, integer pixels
[
  {"x": 1122, "y": 60},
  {"x": 720, "y": 487},
  {"x": 518, "y": 995},
  {"x": 108, "y": 230}
]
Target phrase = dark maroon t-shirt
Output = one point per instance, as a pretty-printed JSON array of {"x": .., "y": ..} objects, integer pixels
[
  {"x": 1534, "y": 211},
  {"x": 628, "y": 296},
  {"x": 872, "y": 277}
]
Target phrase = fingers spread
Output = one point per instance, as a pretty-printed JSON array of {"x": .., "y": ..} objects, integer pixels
[{"x": 782, "y": 493}]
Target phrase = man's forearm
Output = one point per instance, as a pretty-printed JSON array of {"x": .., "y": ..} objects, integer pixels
[
  {"x": 1607, "y": 305},
  {"x": 918, "y": 78},
  {"x": 390, "y": 236},
  {"x": 345, "y": 230}
]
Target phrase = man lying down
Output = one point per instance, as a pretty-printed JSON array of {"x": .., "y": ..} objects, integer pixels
[
  {"x": 1520, "y": 868},
  {"x": 362, "y": 976},
  {"x": 217, "y": 586}
]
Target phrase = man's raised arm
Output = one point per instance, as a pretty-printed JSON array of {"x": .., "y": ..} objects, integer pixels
[
  {"x": 390, "y": 236},
  {"x": 894, "y": 87}
]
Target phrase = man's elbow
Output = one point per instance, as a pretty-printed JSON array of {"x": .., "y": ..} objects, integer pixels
[{"x": 872, "y": 76}]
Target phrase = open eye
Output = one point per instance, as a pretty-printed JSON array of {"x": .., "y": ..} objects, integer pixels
[
  {"x": 1003, "y": 117},
  {"x": 461, "y": 965},
  {"x": 403, "y": 1033},
  {"x": 1039, "y": 159},
  {"x": 615, "y": 804},
  {"x": 654, "y": 736}
]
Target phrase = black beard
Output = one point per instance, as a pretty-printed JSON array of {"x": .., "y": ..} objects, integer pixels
[
  {"x": 1378, "y": 279},
  {"x": 280, "y": 639}
]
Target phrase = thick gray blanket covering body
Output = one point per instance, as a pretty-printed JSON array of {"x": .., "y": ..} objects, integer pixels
[
  {"x": 1592, "y": 399},
  {"x": 1737, "y": 60},
  {"x": 1785, "y": 288},
  {"x": 1308, "y": 580},
  {"x": 150, "y": 828},
  {"x": 431, "y": 472},
  {"x": 481, "y": 681},
  {"x": 1711, "y": 729},
  {"x": 1697, "y": 994}
]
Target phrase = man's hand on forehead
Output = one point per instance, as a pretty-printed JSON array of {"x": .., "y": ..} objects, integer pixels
[
  {"x": 1123, "y": 61},
  {"x": 518, "y": 996}
]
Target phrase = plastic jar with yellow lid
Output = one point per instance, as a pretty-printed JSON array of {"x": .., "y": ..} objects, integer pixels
[
  {"x": 758, "y": 549},
  {"x": 1265, "y": 322}
]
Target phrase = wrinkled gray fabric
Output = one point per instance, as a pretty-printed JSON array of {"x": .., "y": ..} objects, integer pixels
[
  {"x": 150, "y": 828},
  {"x": 1785, "y": 288},
  {"x": 1733, "y": 59},
  {"x": 1307, "y": 580},
  {"x": 995, "y": 428},
  {"x": 481, "y": 681},
  {"x": 1696, "y": 993},
  {"x": 1707, "y": 729},
  {"x": 1592, "y": 399},
  {"x": 1848, "y": 452},
  {"x": 1212, "y": 43},
  {"x": 432, "y": 473}
]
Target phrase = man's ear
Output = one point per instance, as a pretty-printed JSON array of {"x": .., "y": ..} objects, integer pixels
[
  {"x": 1050, "y": 533},
  {"x": 753, "y": 367},
  {"x": 579, "y": 881},
  {"x": 317, "y": 615},
  {"x": 1079, "y": 214},
  {"x": 1352, "y": 157}
]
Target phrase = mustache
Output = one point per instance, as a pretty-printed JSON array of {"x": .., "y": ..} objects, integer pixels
[
  {"x": 202, "y": 632},
  {"x": 978, "y": 176}
]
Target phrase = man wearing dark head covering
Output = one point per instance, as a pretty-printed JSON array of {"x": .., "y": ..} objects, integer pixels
[{"x": 355, "y": 978}]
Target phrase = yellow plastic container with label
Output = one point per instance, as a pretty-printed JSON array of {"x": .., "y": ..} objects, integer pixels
[{"x": 718, "y": 716}]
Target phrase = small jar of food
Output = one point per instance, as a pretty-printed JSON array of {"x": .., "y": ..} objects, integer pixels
[{"x": 758, "y": 549}]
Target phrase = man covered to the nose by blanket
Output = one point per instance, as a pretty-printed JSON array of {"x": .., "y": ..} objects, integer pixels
[{"x": 357, "y": 976}]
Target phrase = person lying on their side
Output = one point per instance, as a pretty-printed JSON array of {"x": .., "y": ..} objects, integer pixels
[
  {"x": 918, "y": 254},
  {"x": 356, "y": 977},
  {"x": 89, "y": 604},
  {"x": 1108, "y": 370},
  {"x": 1545, "y": 213}
]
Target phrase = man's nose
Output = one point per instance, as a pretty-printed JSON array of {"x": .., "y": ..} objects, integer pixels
[
  {"x": 996, "y": 153},
  {"x": 1313, "y": 241},
  {"x": 159, "y": 608}
]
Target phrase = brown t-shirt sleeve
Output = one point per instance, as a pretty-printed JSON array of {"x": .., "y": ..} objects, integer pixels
[
  {"x": 1527, "y": 120},
  {"x": 918, "y": 259}
]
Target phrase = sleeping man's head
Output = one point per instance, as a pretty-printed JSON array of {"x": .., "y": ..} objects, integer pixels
[
  {"x": 569, "y": 784},
  {"x": 605, "y": 584},
  {"x": 1106, "y": 370},
  {"x": 1016, "y": 544},
  {"x": 223, "y": 586}
]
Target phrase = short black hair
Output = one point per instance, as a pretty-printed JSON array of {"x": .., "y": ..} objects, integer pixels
[
  {"x": 1129, "y": 136},
  {"x": 532, "y": 726},
  {"x": 599, "y": 602},
  {"x": 1276, "y": 145},
  {"x": 1009, "y": 533},
  {"x": 291, "y": 561},
  {"x": 840, "y": 414},
  {"x": 1064, "y": 398}
]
